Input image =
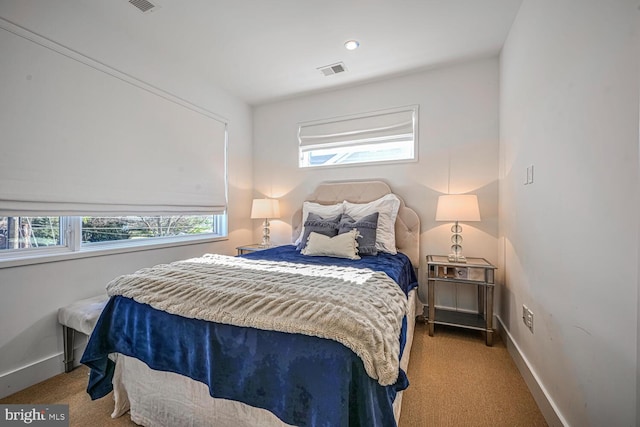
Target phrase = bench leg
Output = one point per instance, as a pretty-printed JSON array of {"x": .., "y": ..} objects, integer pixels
[{"x": 68, "y": 335}]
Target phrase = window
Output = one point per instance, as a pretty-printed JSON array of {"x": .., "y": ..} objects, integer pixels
[
  {"x": 30, "y": 232},
  {"x": 18, "y": 234},
  {"x": 381, "y": 136},
  {"x": 109, "y": 229}
]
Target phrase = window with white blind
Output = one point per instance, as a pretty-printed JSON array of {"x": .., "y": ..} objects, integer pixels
[
  {"x": 381, "y": 136},
  {"x": 97, "y": 158}
]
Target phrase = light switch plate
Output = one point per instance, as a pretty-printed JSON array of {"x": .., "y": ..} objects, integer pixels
[{"x": 529, "y": 177}]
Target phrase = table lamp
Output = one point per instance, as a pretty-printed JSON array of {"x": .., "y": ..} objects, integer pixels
[
  {"x": 457, "y": 207},
  {"x": 267, "y": 209}
]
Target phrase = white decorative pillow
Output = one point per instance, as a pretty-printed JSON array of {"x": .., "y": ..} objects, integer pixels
[
  {"x": 325, "y": 211},
  {"x": 387, "y": 206},
  {"x": 343, "y": 245}
]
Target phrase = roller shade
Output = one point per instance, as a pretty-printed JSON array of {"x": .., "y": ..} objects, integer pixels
[
  {"x": 79, "y": 138},
  {"x": 370, "y": 128}
]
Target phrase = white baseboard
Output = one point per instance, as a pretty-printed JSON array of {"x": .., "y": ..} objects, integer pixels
[
  {"x": 547, "y": 406},
  {"x": 26, "y": 376}
]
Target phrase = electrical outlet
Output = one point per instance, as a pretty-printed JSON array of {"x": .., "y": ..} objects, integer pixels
[{"x": 527, "y": 317}]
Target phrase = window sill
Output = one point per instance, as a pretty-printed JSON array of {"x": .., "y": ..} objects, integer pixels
[{"x": 103, "y": 249}]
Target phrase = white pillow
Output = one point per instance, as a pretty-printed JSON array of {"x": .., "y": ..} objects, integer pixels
[
  {"x": 387, "y": 206},
  {"x": 343, "y": 245},
  {"x": 325, "y": 211}
]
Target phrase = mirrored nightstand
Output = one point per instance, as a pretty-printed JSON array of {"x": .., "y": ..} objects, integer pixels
[{"x": 475, "y": 271}]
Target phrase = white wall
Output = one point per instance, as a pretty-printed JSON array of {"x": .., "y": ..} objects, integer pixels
[
  {"x": 569, "y": 241},
  {"x": 458, "y": 128},
  {"x": 30, "y": 337}
]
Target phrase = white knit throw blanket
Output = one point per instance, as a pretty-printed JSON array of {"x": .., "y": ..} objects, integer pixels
[{"x": 360, "y": 308}]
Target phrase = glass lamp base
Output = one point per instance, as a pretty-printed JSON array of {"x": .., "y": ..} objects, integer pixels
[
  {"x": 456, "y": 248},
  {"x": 266, "y": 240}
]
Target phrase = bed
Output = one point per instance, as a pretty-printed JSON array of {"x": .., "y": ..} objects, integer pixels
[{"x": 164, "y": 373}]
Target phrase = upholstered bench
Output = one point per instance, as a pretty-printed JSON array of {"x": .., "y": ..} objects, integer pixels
[{"x": 80, "y": 316}]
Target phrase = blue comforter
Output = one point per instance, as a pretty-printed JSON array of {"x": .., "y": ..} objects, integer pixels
[{"x": 303, "y": 380}]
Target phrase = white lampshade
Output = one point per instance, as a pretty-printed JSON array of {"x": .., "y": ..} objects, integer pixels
[
  {"x": 265, "y": 208},
  {"x": 458, "y": 207}
]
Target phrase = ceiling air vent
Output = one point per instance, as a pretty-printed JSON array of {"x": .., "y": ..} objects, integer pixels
[
  {"x": 329, "y": 70},
  {"x": 143, "y": 5}
]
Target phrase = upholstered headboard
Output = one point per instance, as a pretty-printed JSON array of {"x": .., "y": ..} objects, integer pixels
[{"x": 407, "y": 223}]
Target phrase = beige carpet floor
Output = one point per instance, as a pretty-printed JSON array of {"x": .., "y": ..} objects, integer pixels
[{"x": 455, "y": 381}]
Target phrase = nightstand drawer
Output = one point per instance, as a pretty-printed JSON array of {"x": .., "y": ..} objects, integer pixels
[{"x": 461, "y": 273}]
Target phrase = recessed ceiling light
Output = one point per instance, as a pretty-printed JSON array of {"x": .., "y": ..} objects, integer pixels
[{"x": 351, "y": 44}]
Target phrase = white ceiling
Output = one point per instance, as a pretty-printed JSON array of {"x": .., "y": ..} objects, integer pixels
[{"x": 266, "y": 50}]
